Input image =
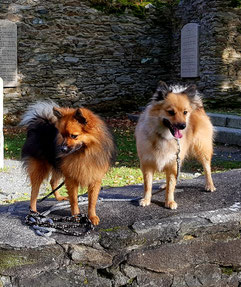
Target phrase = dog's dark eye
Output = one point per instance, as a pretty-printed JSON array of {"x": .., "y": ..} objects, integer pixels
[
  {"x": 171, "y": 113},
  {"x": 73, "y": 136},
  {"x": 185, "y": 112}
]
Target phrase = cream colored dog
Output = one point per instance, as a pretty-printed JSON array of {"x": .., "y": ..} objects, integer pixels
[{"x": 175, "y": 112}]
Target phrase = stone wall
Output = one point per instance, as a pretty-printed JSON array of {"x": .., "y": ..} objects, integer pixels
[
  {"x": 75, "y": 54},
  {"x": 220, "y": 49}
]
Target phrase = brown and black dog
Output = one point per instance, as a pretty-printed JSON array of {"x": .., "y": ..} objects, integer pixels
[{"x": 71, "y": 143}]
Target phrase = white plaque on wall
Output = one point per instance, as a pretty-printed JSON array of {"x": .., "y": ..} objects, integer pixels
[
  {"x": 190, "y": 51},
  {"x": 8, "y": 53}
]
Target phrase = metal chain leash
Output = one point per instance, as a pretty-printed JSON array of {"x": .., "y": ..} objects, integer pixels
[
  {"x": 45, "y": 226},
  {"x": 178, "y": 160},
  {"x": 68, "y": 225}
]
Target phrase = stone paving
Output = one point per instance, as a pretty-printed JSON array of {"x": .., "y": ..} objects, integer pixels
[{"x": 133, "y": 246}]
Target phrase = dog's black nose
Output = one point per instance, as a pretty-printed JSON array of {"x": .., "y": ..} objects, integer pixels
[
  {"x": 181, "y": 126},
  {"x": 64, "y": 149}
]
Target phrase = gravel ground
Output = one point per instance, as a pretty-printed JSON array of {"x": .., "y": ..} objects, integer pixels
[{"x": 14, "y": 183}]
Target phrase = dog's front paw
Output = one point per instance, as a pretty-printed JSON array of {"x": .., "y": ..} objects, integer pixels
[
  {"x": 171, "y": 204},
  {"x": 94, "y": 219},
  {"x": 61, "y": 198},
  {"x": 210, "y": 187},
  {"x": 145, "y": 202}
]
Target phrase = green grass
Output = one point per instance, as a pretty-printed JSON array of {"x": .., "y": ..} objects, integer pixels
[
  {"x": 125, "y": 141},
  {"x": 126, "y": 170},
  {"x": 192, "y": 166},
  {"x": 236, "y": 112},
  {"x": 13, "y": 145}
]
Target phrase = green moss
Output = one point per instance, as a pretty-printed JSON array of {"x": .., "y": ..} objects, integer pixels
[
  {"x": 235, "y": 3},
  {"x": 10, "y": 260},
  {"x": 131, "y": 281},
  {"x": 228, "y": 270},
  {"x": 118, "y": 7},
  {"x": 136, "y": 7},
  {"x": 110, "y": 229}
]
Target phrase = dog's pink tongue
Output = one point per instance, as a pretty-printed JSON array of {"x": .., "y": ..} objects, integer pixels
[{"x": 177, "y": 133}]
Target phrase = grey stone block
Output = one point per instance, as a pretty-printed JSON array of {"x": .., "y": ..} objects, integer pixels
[
  {"x": 90, "y": 256},
  {"x": 217, "y": 119},
  {"x": 223, "y": 120},
  {"x": 234, "y": 122},
  {"x": 228, "y": 135}
]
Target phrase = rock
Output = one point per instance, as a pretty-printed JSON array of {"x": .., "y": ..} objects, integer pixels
[
  {"x": 146, "y": 278},
  {"x": 29, "y": 262},
  {"x": 125, "y": 80},
  {"x": 196, "y": 245},
  {"x": 73, "y": 60},
  {"x": 5, "y": 281},
  {"x": 90, "y": 256},
  {"x": 204, "y": 275}
]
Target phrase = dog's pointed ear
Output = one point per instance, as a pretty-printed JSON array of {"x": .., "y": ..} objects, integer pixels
[
  {"x": 57, "y": 113},
  {"x": 190, "y": 91},
  {"x": 161, "y": 91},
  {"x": 79, "y": 117},
  {"x": 194, "y": 97}
]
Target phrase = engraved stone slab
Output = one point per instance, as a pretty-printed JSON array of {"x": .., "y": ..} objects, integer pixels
[
  {"x": 190, "y": 51},
  {"x": 1, "y": 126},
  {"x": 8, "y": 53}
]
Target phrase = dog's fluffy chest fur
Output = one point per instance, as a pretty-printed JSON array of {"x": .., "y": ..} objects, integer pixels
[
  {"x": 164, "y": 152},
  {"x": 155, "y": 144}
]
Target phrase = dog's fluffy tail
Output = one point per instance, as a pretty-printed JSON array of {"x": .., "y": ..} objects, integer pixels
[
  {"x": 37, "y": 111},
  {"x": 41, "y": 133}
]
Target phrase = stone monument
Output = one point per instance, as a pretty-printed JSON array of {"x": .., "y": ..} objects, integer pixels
[
  {"x": 1, "y": 126},
  {"x": 190, "y": 51},
  {"x": 8, "y": 53}
]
